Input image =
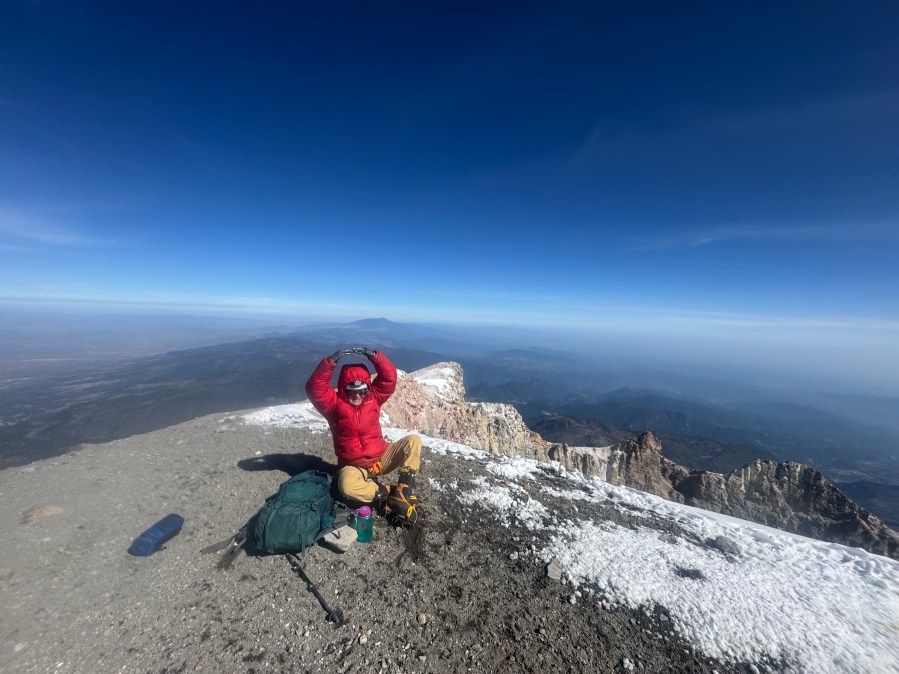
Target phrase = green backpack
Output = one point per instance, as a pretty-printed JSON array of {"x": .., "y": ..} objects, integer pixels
[{"x": 293, "y": 519}]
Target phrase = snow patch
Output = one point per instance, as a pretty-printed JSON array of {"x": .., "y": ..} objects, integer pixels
[
  {"x": 514, "y": 467},
  {"x": 820, "y": 608},
  {"x": 297, "y": 415},
  {"x": 508, "y": 506},
  {"x": 440, "y": 379}
]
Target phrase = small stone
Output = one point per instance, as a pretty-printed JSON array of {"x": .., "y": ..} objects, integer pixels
[
  {"x": 19, "y": 646},
  {"x": 554, "y": 570},
  {"x": 725, "y": 545},
  {"x": 363, "y": 639},
  {"x": 628, "y": 665},
  {"x": 340, "y": 540},
  {"x": 422, "y": 619}
]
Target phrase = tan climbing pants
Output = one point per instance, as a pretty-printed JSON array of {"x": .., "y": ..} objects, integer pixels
[{"x": 357, "y": 484}]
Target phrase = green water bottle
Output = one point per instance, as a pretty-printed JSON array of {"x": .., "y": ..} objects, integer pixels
[{"x": 363, "y": 524}]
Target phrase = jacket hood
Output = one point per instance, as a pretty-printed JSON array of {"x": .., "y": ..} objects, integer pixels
[{"x": 350, "y": 372}]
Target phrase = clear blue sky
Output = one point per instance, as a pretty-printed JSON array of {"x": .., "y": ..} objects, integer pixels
[{"x": 719, "y": 175}]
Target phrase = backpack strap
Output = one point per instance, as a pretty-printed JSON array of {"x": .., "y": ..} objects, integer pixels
[
  {"x": 232, "y": 546},
  {"x": 341, "y": 520}
]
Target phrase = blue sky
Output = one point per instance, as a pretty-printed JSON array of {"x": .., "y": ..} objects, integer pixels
[{"x": 718, "y": 176}]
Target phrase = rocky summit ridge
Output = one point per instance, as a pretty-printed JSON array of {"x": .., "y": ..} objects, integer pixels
[
  {"x": 516, "y": 566},
  {"x": 432, "y": 400},
  {"x": 785, "y": 495}
]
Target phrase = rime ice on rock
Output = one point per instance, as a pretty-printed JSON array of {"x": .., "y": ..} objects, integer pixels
[
  {"x": 791, "y": 496},
  {"x": 432, "y": 401},
  {"x": 822, "y": 607}
]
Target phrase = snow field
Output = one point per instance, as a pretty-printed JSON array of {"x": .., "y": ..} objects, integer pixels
[{"x": 813, "y": 606}]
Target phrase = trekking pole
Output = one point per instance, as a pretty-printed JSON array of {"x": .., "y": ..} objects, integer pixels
[{"x": 334, "y": 615}]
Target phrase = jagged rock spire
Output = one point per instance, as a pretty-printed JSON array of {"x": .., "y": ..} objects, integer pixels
[{"x": 789, "y": 496}]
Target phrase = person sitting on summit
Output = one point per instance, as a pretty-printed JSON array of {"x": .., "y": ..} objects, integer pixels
[{"x": 363, "y": 455}]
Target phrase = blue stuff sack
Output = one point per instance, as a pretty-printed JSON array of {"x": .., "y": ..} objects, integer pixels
[{"x": 153, "y": 538}]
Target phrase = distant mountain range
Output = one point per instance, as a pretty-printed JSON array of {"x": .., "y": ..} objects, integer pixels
[
  {"x": 795, "y": 432},
  {"x": 46, "y": 416},
  {"x": 704, "y": 424},
  {"x": 707, "y": 437}
]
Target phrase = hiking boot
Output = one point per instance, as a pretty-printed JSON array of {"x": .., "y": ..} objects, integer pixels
[
  {"x": 381, "y": 495},
  {"x": 401, "y": 504},
  {"x": 406, "y": 481}
]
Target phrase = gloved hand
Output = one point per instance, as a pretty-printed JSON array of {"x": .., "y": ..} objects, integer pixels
[
  {"x": 337, "y": 355},
  {"x": 365, "y": 351}
]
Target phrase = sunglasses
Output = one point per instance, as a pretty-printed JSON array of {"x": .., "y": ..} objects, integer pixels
[{"x": 358, "y": 392}]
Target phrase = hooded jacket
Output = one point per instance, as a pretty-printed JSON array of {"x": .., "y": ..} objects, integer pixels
[{"x": 358, "y": 439}]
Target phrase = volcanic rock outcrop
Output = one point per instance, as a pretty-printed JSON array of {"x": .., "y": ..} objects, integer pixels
[
  {"x": 432, "y": 400},
  {"x": 789, "y": 496},
  {"x": 636, "y": 463}
]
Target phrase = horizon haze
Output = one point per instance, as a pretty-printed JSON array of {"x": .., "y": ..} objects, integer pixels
[
  {"x": 67, "y": 379},
  {"x": 711, "y": 189}
]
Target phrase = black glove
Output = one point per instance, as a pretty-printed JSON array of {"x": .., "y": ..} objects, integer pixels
[
  {"x": 365, "y": 351},
  {"x": 337, "y": 355}
]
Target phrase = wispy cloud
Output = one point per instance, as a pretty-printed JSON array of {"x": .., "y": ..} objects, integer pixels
[
  {"x": 490, "y": 295},
  {"x": 22, "y": 232},
  {"x": 773, "y": 234},
  {"x": 608, "y": 139},
  {"x": 769, "y": 322}
]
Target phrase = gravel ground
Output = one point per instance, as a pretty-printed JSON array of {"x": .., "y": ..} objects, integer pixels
[{"x": 463, "y": 594}]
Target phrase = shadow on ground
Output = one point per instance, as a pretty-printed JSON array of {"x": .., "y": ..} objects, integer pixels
[{"x": 288, "y": 463}]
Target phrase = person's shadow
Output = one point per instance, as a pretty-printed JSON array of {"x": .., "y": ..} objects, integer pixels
[{"x": 289, "y": 463}]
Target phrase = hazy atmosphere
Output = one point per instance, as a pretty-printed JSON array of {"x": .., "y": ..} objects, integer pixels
[{"x": 707, "y": 188}]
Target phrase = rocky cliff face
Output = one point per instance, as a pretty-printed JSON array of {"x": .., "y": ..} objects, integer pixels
[
  {"x": 432, "y": 400},
  {"x": 788, "y": 496},
  {"x": 636, "y": 463}
]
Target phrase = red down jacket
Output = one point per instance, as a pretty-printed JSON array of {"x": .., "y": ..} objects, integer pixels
[{"x": 358, "y": 439}]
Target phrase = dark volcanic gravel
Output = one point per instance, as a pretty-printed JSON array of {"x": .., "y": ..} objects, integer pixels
[{"x": 463, "y": 594}]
